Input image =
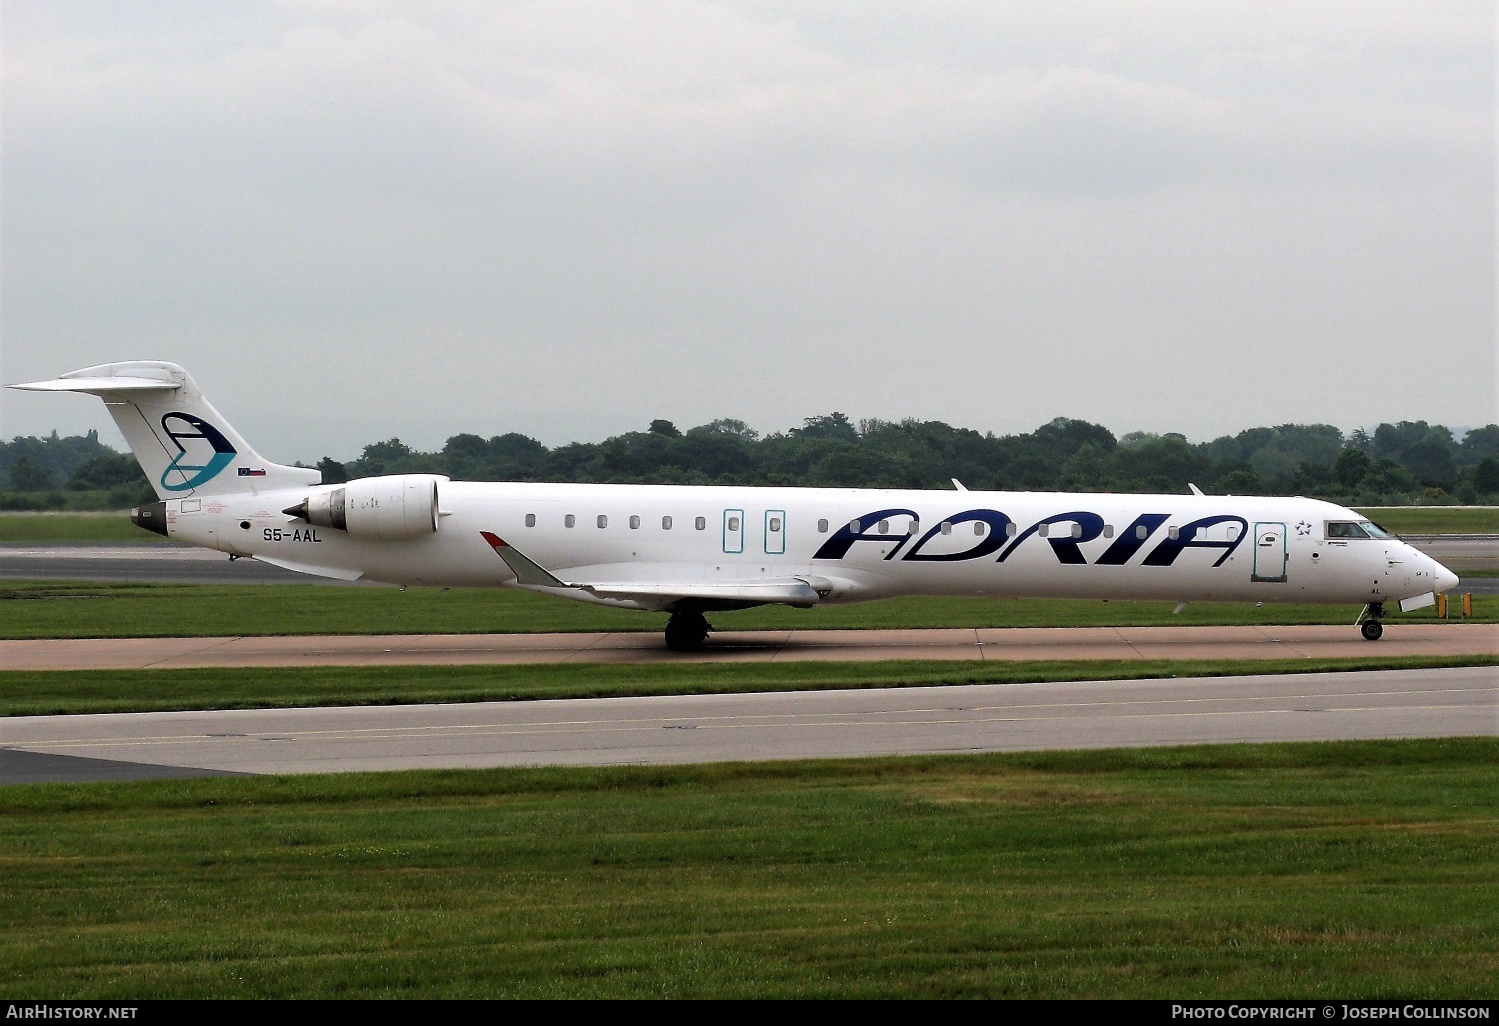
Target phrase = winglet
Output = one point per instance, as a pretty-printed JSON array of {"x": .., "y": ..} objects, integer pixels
[
  {"x": 1195, "y": 489},
  {"x": 959, "y": 485},
  {"x": 526, "y": 572}
]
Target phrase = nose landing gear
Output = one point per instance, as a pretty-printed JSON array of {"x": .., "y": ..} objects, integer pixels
[
  {"x": 687, "y": 632},
  {"x": 1369, "y": 625}
]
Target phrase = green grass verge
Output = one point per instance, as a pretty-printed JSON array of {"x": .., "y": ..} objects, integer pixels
[
  {"x": 44, "y": 609},
  {"x": 1435, "y": 519},
  {"x": 35, "y": 693},
  {"x": 1307, "y": 870},
  {"x": 73, "y": 527},
  {"x": 85, "y": 527}
]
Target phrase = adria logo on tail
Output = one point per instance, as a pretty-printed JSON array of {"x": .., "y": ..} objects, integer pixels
[{"x": 202, "y": 452}]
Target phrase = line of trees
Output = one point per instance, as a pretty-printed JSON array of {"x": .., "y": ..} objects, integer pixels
[
  {"x": 1408, "y": 462},
  {"x": 1396, "y": 464}
]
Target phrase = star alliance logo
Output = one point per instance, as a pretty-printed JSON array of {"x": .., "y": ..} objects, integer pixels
[{"x": 1303, "y": 529}]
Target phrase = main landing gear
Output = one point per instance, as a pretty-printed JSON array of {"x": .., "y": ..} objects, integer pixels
[
  {"x": 687, "y": 632},
  {"x": 1369, "y": 625}
]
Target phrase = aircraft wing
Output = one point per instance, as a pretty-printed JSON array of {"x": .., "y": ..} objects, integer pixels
[{"x": 791, "y": 591}]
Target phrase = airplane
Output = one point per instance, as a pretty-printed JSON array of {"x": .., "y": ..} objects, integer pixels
[{"x": 691, "y": 550}]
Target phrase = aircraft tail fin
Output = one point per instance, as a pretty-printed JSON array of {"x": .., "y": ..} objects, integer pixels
[{"x": 183, "y": 444}]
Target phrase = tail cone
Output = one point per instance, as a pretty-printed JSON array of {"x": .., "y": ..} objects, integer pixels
[{"x": 152, "y": 517}]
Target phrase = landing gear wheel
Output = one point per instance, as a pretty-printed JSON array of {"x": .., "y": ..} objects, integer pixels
[
  {"x": 686, "y": 632},
  {"x": 1372, "y": 630}
]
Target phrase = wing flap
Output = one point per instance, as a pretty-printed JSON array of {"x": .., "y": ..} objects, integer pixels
[
  {"x": 791, "y": 591},
  {"x": 782, "y": 591}
]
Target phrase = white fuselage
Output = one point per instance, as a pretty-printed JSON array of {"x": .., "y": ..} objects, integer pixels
[{"x": 848, "y": 544}]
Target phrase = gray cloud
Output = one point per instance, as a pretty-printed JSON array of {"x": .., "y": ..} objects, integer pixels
[{"x": 354, "y": 220}]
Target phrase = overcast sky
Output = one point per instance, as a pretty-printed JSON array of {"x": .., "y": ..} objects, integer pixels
[{"x": 355, "y": 220}]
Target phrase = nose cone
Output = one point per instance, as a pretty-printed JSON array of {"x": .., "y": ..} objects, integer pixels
[{"x": 1446, "y": 579}]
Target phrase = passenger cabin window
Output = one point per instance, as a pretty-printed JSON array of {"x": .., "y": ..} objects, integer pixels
[
  {"x": 884, "y": 527},
  {"x": 1108, "y": 530},
  {"x": 569, "y": 520},
  {"x": 1141, "y": 532},
  {"x": 1077, "y": 530},
  {"x": 1044, "y": 530},
  {"x": 979, "y": 527},
  {"x": 1345, "y": 529},
  {"x": 853, "y": 525},
  {"x": 1011, "y": 530},
  {"x": 733, "y": 523},
  {"x": 701, "y": 523},
  {"x": 634, "y": 523},
  {"x": 913, "y": 526},
  {"x": 1173, "y": 533},
  {"x": 822, "y": 527},
  {"x": 603, "y": 520},
  {"x": 666, "y": 523},
  {"x": 775, "y": 523},
  {"x": 530, "y": 519},
  {"x": 946, "y": 527}
]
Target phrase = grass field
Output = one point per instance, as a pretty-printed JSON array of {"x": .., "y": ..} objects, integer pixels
[
  {"x": 37, "y": 609},
  {"x": 1314, "y": 870},
  {"x": 28, "y": 693},
  {"x": 73, "y": 527},
  {"x": 114, "y": 527}
]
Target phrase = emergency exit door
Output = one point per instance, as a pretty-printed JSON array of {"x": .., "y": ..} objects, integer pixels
[
  {"x": 733, "y": 530},
  {"x": 1270, "y": 555},
  {"x": 775, "y": 532}
]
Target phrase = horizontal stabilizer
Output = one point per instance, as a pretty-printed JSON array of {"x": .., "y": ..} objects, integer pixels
[{"x": 99, "y": 386}]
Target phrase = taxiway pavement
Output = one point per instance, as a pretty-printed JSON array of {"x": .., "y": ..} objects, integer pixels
[
  {"x": 142, "y": 563},
  {"x": 1009, "y": 644},
  {"x": 170, "y": 563},
  {"x": 788, "y": 725}
]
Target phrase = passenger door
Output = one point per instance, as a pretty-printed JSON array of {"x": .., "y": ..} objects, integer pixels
[{"x": 1270, "y": 555}]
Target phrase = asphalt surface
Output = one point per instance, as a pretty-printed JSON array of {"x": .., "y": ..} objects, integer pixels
[
  {"x": 791, "y": 725},
  {"x": 1005, "y": 644},
  {"x": 144, "y": 564},
  {"x": 21, "y": 767},
  {"x": 162, "y": 563},
  {"x": 1460, "y": 552}
]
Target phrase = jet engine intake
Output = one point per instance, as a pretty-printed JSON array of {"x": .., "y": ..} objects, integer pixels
[{"x": 388, "y": 508}]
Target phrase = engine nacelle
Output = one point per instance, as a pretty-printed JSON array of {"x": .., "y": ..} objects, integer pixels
[{"x": 388, "y": 508}]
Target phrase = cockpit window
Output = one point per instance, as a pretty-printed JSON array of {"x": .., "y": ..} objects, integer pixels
[
  {"x": 1375, "y": 531},
  {"x": 1345, "y": 529}
]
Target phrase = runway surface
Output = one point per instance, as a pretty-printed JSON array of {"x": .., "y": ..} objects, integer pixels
[
  {"x": 161, "y": 563},
  {"x": 143, "y": 563},
  {"x": 794, "y": 725},
  {"x": 1009, "y": 644}
]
